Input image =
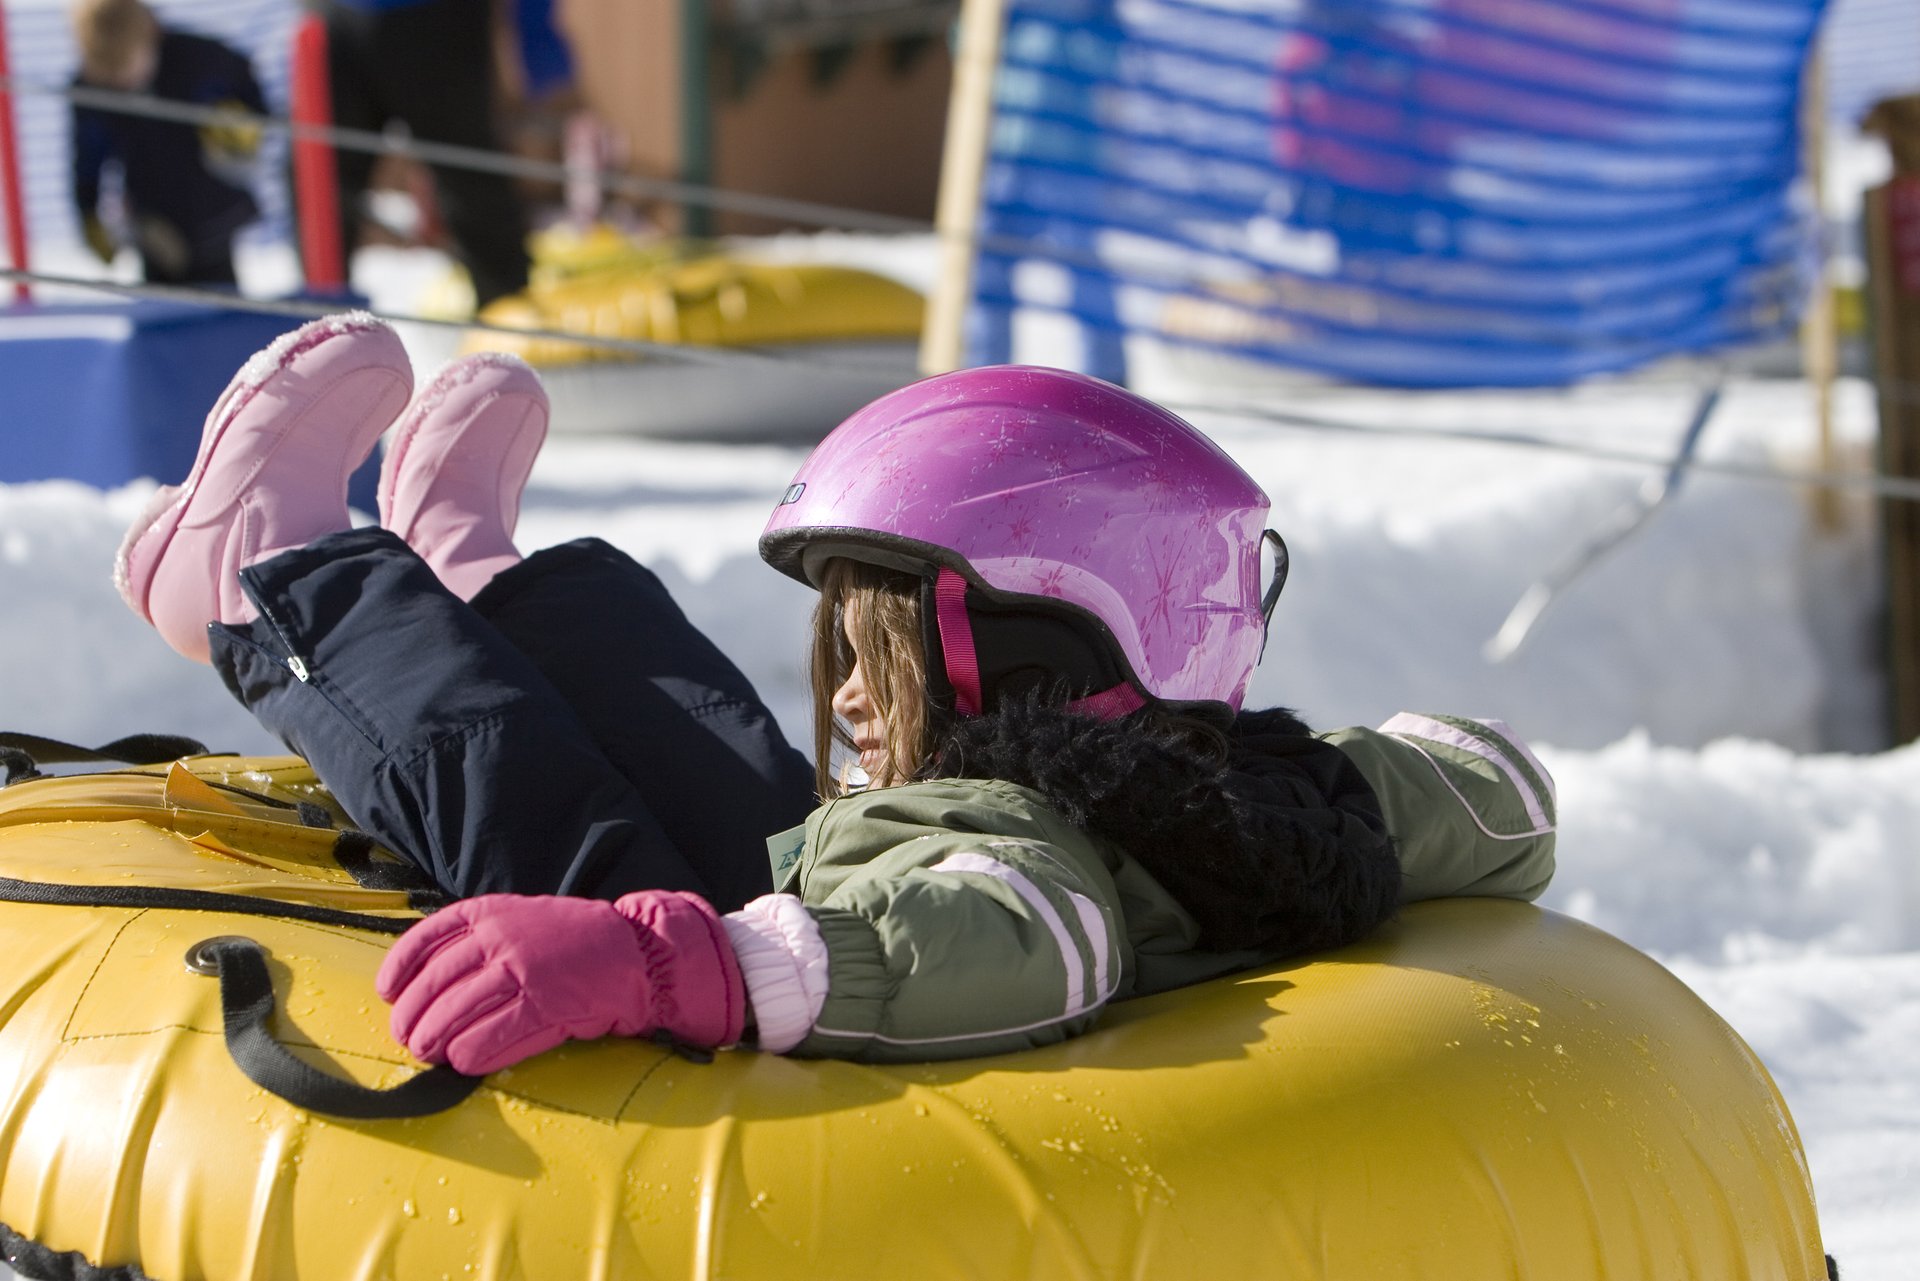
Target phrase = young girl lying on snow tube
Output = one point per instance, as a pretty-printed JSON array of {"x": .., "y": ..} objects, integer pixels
[{"x": 1040, "y": 607}]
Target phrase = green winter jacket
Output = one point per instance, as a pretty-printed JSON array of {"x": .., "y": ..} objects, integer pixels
[{"x": 965, "y": 916}]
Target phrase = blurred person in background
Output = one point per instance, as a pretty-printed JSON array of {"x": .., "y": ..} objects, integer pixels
[
  {"x": 429, "y": 65},
  {"x": 185, "y": 187}
]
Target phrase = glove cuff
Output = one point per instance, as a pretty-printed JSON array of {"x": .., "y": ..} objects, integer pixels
[{"x": 698, "y": 994}]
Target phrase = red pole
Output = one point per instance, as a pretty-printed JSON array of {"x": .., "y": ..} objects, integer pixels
[
  {"x": 16, "y": 213},
  {"x": 316, "y": 182}
]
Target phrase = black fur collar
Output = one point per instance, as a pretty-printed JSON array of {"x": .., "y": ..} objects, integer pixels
[{"x": 1278, "y": 846}]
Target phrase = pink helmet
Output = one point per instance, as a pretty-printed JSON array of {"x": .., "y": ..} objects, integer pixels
[{"x": 1068, "y": 529}]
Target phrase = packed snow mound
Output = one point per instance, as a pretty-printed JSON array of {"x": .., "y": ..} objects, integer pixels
[{"x": 1740, "y": 852}]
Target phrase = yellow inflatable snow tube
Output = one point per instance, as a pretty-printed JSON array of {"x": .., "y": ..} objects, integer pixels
[
  {"x": 1482, "y": 1090},
  {"x": 687, "y": 292}
]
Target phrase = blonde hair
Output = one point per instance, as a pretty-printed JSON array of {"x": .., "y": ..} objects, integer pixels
[
  {"x": 111, "y": 33},
  {"x": 884, "y": 608}
]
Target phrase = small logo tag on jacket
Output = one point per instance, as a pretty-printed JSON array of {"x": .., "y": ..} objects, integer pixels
[{"x": 783, "y": 852}]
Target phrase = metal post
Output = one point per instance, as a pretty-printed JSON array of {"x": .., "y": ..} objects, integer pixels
[
  {"x": 696, "y": 112},
  {"x": 316, "y": 177},
  {"x": 15, "y": 211}
]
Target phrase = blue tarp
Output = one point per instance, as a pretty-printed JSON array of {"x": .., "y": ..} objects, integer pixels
[
  {"x": 1417, "y": 193},
  {"x": 107, "y": 393}
]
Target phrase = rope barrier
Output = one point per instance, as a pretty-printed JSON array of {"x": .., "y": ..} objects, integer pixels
[
  {"x": 679, "y": 353},
  {"x": 1142, "y": 264},
  {"x": 402, "y": 145},
  {"x": 1636, "y": 514},
  {"x": 799, "y": 211},
  {"x": 448, "y": 155},
  {"x": 1897, "y": 487},
  {"x": 1893, "y": 487},
  {"x": 809, "y": 213}
]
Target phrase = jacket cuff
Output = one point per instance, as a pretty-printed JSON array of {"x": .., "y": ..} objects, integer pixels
[{"x": 783, "y": 960}]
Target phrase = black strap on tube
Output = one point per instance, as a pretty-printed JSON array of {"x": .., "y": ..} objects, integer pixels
[
  {"x": 22, "y": 754},
  {"x": 246, "y": 1009}
]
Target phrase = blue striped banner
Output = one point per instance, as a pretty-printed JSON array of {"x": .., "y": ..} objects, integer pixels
[{"x": 1416, "y": 193}]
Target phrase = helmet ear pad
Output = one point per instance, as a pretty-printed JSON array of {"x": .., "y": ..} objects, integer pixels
[{"x": 1025, "y": 648}]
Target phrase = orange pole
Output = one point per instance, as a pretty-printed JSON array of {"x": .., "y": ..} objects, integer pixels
[
  {"x": 16, "y": 214},
  {"x": 316, "y": 182}
]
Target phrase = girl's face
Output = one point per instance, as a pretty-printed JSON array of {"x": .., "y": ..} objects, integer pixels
[
  {"x": 868, "y": 675},
  {"x": 852, "y": 703}
]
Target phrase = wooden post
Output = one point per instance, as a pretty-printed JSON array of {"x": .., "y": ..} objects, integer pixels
[
  {"x": 1819, "y": 337},
  {"x": 1892, "y": 215},
  {"x": 963, "y": 163}
]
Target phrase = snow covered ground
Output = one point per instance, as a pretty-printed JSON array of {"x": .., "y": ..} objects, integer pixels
[{"x": 1706, "y": 696}]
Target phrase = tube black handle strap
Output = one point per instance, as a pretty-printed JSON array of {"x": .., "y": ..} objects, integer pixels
[
  {"x": 23, "y": 754},
  {"x": 246, "y": 1006}
]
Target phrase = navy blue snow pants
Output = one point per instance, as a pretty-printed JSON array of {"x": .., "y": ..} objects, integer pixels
[{"x": 569, "y": 732}]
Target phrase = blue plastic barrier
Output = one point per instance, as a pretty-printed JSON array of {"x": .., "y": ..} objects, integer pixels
[{"x": 111, "y": 392}]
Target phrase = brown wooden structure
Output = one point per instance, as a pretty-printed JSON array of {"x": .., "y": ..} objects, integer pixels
[
  {"x": 1892, "y": 214},
  {"x": 838, "y": 102}
]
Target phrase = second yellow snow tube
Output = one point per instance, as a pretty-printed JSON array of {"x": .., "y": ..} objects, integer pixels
[{"x": 694, "y": 293}]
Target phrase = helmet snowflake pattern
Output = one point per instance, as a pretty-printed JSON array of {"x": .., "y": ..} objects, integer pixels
[{"x": 1024, "y": 488}]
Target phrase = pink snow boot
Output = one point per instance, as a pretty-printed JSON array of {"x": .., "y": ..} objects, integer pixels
[
  {"x": 451, "y": 482},
  {"x": 271, "y": 474}
]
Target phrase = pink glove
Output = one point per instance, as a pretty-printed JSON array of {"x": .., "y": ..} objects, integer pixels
[{"x": 493, "y": 980}]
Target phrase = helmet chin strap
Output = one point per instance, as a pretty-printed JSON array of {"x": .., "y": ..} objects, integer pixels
[
  {"x": 956, "y": 641},
  {"x": 1109, "y": 704},
  {"x": 962, "y": 659}
]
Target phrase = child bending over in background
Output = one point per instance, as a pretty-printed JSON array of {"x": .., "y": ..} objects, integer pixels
[{"x": 186, "y": 186}]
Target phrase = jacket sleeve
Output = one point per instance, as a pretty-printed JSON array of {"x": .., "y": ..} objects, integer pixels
[
  {"x": 949, "y": 944},
  {"x": 1470, "y": 809},
  {"x": 92, "y": 143},
  {"x": 215, "y": 71},
  {"x": 240, "y": 84}
]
